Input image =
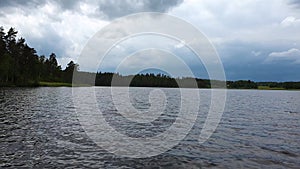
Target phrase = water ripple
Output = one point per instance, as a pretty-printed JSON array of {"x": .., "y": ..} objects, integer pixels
[{"x": 40, "y": 129}]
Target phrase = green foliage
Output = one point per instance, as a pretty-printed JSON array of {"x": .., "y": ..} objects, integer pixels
[
  {"x": 270, "y": 88},
  {"x": 21, "y": 66},
  {"x": 68, "y": 72},
  {"x": 279, "y": 85},
  {"x": 147, "y": 80},
  {"x": 241, "y": 84}
]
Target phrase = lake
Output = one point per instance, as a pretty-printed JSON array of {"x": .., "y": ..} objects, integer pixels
[{"x": 40, "y": 129}]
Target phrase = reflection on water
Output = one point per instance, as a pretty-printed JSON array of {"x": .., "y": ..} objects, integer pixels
[{"x": 39, "y": 128}]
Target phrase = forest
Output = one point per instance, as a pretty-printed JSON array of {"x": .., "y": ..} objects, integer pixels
[{"x": 20, "y": 65}]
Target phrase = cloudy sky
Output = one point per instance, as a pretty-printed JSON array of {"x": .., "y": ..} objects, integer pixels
[{"x": 255, "y": 39}]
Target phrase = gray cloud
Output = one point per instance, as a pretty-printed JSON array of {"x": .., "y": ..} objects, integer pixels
[
  {"x": 295, "y": 3},
  {"x": 116, "y": 8},
  {"x": 67, "y": 4},
  {"x": 21, "y": 4},
  {"x": 107, "y": 9},
  {"x": 64, "y": 4}
]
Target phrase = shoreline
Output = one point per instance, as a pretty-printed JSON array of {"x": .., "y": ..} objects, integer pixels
[{"x": 62, "y": 84}]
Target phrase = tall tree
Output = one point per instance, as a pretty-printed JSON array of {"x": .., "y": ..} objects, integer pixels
[
  {"x": 2, "y": 42},
  {"x": 53, "y": 68},
  {"x": 68, "y": 72},
  {"x": 11, "y": 49}
]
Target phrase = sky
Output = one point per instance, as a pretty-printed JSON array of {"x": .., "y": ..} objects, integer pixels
[{"x": 255, "y": 39}]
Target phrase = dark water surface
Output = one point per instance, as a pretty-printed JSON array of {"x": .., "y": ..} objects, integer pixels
[{"x": 40, "y": 129}]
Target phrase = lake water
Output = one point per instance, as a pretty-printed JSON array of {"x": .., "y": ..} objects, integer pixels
[{"x": 40, "y": 129}]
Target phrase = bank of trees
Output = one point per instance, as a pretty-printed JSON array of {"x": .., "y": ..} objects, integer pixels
[
  {"x": 139, "y": 80},
  {"x": 20, "y": 65},
  {"x": 145, "y": 80},
  {"x": 284, "y": 85},
  {"x": 242, "y": 84}
]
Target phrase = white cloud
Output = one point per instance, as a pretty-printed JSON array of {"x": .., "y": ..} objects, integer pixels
[
  {"x": 289, "y": 55},
  {"x": 245, "y": 21},
  {"x": 256, "y": 53},
  {"x": 180, "y": 45},
  {"x": 289, "y": 21},
  {"x": 49, "y": 29},
  {"x": 63, "y": 61}
]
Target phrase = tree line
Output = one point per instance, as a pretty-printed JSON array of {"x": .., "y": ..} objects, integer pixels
[
  {"x": 20, "y": 65},
  {"x": 278, "y": 85}
]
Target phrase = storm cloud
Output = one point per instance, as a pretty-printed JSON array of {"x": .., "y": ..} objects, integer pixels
[
  {"x": 64, "y": 4},
  {"x": 19, "y": 3},
  {"x": 295, "y": 3},
  {"x": 105, "y": 9},
  {"x": 116, "y": 8}
]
